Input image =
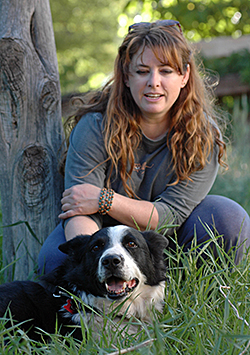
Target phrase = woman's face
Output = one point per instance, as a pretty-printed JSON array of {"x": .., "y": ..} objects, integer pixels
[{"x": 154, "y": 86}]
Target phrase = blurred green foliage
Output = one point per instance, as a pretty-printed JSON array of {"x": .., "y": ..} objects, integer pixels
[
  {"x": 88, "y": 32},
  {"x": 238, "y": 62},
  {"x": 234, "y": 183},
  {"x": 199, "y": 18},
  {"x": 86, "y": 40}
]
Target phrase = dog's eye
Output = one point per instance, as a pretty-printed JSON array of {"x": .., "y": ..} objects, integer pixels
[
  {"x": 97, "y": 247},
  {"x": 132, "y": 244}
]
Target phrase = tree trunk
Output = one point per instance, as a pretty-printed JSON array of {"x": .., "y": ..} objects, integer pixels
[{"x": 31, "y": 134}]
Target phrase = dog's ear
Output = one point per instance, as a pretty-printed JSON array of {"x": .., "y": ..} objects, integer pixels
[
  {"x": 155, "y": 240},
  {"x": 156, "y": 243},
  {"x": 74, "y": 244}
]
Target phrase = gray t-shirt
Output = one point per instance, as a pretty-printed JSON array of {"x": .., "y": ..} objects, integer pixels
[{"x": 86, "y": 163}]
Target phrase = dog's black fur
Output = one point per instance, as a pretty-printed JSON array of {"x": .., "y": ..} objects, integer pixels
[{"x": 93, "y": 271}]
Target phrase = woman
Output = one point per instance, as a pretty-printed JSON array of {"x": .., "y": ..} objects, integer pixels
[{"x": 151, "y": 139}]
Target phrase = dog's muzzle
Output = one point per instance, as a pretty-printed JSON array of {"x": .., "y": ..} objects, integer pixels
[{"x": 116, "y": 285}]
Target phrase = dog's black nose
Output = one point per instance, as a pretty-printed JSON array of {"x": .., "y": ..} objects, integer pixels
[{"x": 112, "y": 261}]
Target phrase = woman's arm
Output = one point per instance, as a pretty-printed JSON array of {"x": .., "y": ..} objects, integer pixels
[
  {"x": 80, "y": 225},
  {"x": 131, "y": 212},
  {"x": 83, "y": 200}
]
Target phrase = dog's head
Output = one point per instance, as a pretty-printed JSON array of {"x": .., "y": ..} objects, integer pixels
[{"x": 115, "y": 261}]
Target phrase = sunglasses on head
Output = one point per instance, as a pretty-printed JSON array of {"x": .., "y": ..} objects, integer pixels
[{"x": 164, "y": 23}]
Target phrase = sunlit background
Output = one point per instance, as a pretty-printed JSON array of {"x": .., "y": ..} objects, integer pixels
[{"x": 88, "y": 32}]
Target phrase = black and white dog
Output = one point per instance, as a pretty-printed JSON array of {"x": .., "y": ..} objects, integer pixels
[{"x": 117, "y": 264}]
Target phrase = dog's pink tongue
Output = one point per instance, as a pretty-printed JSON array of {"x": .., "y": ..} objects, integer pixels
[
  {"x": 115, "y": 284},
  {"x": 131, "y": 283}
]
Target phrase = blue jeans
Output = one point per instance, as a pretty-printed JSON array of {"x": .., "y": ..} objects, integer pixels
[{"x": 228, "y": 217}]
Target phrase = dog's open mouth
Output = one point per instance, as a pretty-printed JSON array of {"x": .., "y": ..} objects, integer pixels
[{"x": 117, "y": 287}]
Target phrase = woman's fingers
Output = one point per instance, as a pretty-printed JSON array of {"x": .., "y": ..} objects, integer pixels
[
  {"x": 66, "y": 207},
  {"x": 67, "y": 214},
  {"x": 66, "y": 193}
]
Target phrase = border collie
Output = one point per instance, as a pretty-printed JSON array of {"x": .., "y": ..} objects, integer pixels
[{"x": 116, "y": 266}]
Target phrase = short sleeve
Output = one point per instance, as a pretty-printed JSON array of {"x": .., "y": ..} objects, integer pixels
[{"x": 86, "y": 157}]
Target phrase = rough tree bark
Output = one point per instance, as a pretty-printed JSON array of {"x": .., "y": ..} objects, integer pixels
[{"x": 31, "y": 134}]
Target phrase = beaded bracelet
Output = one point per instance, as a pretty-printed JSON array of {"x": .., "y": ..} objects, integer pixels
[
  {"x": 105, "y": 200},
  {"x": 108, "y": 200}
]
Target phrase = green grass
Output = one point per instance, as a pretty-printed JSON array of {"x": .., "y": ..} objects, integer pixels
[{"x": 197, "y": 319}]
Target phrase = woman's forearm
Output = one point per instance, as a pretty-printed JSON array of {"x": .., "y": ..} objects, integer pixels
[
  {"x": 134, "y": 212},
  {"x": 80, "y": 225},
  {"x": 80, "y": 201}
]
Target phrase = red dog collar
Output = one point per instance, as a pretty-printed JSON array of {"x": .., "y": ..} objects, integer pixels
[{"x": 69, "y": 306}]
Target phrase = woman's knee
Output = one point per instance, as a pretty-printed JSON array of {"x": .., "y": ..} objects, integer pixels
[{"x": 224, "y": 218}]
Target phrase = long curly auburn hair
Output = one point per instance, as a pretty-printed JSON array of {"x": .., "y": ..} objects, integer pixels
[{"x": 192, "y": 131}]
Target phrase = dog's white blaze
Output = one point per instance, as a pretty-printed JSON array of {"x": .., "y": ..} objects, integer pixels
[
  {"x": 130, "y": 269},
  {"x": 117, "y": 232}
]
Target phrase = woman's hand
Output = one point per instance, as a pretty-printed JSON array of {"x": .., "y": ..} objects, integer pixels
[{"x": 80, "y": 200}]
